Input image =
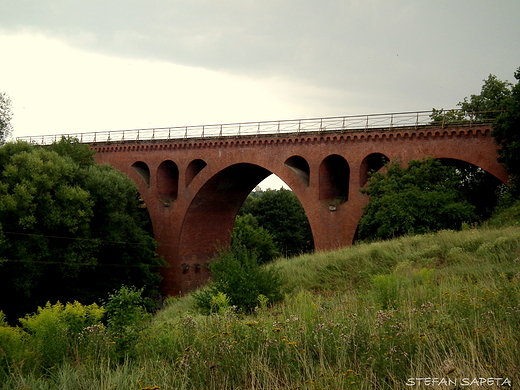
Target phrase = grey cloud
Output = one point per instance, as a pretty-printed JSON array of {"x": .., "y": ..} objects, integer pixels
[{"x": 386, "y": 52}]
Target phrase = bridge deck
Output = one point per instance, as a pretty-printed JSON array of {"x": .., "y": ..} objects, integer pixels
[{"x": 389, "y": 122}]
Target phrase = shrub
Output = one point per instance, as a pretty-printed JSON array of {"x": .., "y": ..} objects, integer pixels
[
  {"x": 12, "y": 347},
  {"x": 54, "y": 330},
  {"x": 242, "y": 280},
  {"x": 126, "y": 316}
]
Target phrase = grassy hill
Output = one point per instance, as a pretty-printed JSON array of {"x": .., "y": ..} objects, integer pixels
[{"x": 372, "y": 316}]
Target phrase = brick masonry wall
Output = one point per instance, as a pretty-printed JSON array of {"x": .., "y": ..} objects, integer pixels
[{"x": 194, "y": 188}]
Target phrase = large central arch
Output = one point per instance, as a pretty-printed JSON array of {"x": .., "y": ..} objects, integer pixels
[{"x": 211, "y": 214}]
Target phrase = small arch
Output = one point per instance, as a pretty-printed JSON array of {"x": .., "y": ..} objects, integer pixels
[
  {"x": 142, "y": 169},
  {"x": 371, "y": 163},
  {"x": 194, "y": 169},
  {"x": 300, "y": 166},
  {"x": 167, "y": 181},
  {"x": 334, "y": 178}
]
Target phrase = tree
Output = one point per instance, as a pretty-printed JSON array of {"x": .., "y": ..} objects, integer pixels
[
  {"x": 490, "y": 102},
  {"x": 5, "y": 117},
  {"x": 71, "y": 229},
  {"x": 421, "y": 198},
  {"x": 248, "y": 234},
  {"x": 281, "y": 214},
  {"x": 506, "y": 130},
  {"x": 498, "y": 101}
]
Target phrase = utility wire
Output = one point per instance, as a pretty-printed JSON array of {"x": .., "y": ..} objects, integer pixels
[
  {"x": 75, "y": 238},
  {"x": 2, "y": 260},
  {"x": 82, "y": 264}
]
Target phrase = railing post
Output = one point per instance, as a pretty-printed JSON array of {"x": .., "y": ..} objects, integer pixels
[
  {"x": 239, "y": 128},
  {"x": 299, "y": 126},
  {"x": 202, "y": 131},
  {"x": 258, "y": 132},
  {"x": 186, "y": 133},
  {"x": 417, "y": 121},
  {"x": 221, "y": 131},
  {"x": 366, "y": 124}
]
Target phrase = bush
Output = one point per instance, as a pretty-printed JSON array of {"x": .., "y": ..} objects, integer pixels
[
  {"x": 12, "y": 347},
  {"x": 126, "y": 316},
  {"x": 242, "y": 280},
  {"x": 55, "y": 329}
]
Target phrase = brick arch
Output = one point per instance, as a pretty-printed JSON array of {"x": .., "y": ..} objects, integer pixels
[
  {"x": 167, "y": 181},
  {"x": 193, "y": 169},
  {"x": 334, "y": 179},
  {"x": 143, "y": 171},
  {"x": 210, "y": 216},
  {"x": 300, "y": 166},
  {"x": 372, "y": 162},
  {"x": 490, "y": 167}
]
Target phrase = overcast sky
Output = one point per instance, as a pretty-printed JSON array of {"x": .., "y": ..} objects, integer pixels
[{"x": 88, "y": 65}]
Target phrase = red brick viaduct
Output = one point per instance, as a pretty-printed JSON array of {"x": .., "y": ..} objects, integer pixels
[{"x": 193, "y": 188}]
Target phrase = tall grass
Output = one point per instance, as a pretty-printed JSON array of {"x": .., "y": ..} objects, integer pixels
[{"x": 444, "y": 305}]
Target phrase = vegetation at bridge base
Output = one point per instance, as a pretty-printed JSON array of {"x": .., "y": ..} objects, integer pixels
[
  {"x": 238, "y": 280},
  {"x": 70, "y": 229},
  {"x": 371, "y": 316},
  {"x": 423, "y": 197}
]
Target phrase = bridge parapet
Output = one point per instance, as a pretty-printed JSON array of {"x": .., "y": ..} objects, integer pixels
[{"x": 349, "y": 123}]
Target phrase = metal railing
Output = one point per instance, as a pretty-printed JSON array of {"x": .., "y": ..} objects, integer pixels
[{"x": 268, "y": 128}]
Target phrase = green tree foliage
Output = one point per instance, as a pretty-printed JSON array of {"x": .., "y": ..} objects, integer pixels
[
  {"x": 5, "y": 117},
  {"x": 421, "y": 198},
  {"x": 478, "y": 187},
  {"x": 281, "y": 214},
  {"x": 247, "y": 233},
  {"x": 490, "y": 102},
  {"x": 498, "y": 101},
  {"x": 70, "y": 229},
  {"x": 239, "y": 278},
  {"x": 443, "y": 117},
  {"x": 506, "y": 130}
]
